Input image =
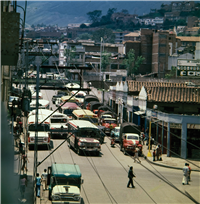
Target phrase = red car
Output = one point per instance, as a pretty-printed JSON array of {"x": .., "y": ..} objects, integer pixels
[{"x": 109, "y": 124}]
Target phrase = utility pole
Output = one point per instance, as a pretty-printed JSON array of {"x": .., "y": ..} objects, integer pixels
[
  {"x": 36, "y": 134},
  {"x": 149, "y": 153}
]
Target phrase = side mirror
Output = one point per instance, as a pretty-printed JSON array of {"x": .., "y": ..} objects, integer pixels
[{"x": 82, "y": 181}]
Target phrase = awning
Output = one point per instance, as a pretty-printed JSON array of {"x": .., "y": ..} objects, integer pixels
[{"x": 139, "y": 112}]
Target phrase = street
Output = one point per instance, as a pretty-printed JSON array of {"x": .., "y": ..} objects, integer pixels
[{"x": 106, "y": 177}]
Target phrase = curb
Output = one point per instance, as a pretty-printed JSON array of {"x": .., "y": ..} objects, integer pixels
[{"x": 170, "y": 167}]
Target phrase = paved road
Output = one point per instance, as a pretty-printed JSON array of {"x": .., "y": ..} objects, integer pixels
[{"x": 105, "y": 177}]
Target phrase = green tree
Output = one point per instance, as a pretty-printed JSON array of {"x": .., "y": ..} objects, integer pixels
[
  {"x": 94, "y": 15},
  {"x": 70, "y": 54},
  {"x": 105, "y": 60},
  {"x": 105, "y": 33},
  {"x": 84, "y": 36},
  {"x": 172, "y": 73},
  {"x": 83, "y": 25},
  {"x": 132, "y": 65}
]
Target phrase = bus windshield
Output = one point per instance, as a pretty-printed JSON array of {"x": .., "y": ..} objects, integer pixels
[
  {"x": 43, "y": 127},
  {"x": 58, "y": 120}
]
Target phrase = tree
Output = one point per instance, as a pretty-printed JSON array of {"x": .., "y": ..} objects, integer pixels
[
  {"x": 83, "y": 25},
  {"x": 172, "y": 73},
  {"x": 84, "y": 36},
  {"x": 70, "y": 54},
  {"x": 105, "y": 60},
  {"x": 132, "y": 65},
  {"x": 105, "y": 33},
  {"x": 94, "y": 15}
]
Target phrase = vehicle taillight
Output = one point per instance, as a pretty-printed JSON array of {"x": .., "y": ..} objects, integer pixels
[{"x": 28, "y": 139}]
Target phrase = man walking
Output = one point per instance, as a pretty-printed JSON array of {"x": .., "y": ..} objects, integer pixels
[
  {"x": 38, "y": 184},
  {"x": 44, "y": 179},
  {"x": 185, "y": 174},
  {"x": 130, "y": 176}
]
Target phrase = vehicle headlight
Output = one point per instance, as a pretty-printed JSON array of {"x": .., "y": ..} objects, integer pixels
[
  {"x": 81, "y": 144},
  {"x": 77, "y": 198},
  {"x": 97, "y": 144},
  {"x": 55, "y": 197}
]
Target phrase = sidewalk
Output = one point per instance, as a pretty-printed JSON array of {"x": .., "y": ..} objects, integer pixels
[{"x": 171, "y": 162}]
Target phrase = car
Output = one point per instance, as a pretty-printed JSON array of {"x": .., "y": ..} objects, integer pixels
[{"x": 115, "y": 133}]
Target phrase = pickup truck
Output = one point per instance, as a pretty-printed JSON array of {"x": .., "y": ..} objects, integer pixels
[{"x": 129, "y": 138}]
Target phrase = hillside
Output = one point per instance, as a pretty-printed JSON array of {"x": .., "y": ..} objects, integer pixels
[{"x": 65, "y": 12}]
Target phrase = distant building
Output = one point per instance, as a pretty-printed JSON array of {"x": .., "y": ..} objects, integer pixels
[
  {"x": 119, "y": 36},
  {"x": 188, "y": 40}
]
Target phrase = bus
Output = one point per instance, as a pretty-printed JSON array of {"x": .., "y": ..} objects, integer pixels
[
  {"x": 43, "y": 104},
  {"x": 58, "y": 122},
  {"x": 84, "y": 137},
  {"x": 85, "y": 114},
  {"x": 79, "y": 96},
  {"x": 68, "y": 108},
  {"x": 43, "y": 137}
]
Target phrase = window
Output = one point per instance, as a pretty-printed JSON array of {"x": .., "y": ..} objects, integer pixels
[
  {"x": 113, "y": 66},
  {"x": 122, "y": 66}
]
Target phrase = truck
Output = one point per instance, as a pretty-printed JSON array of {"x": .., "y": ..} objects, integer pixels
[
  {"x": 129, "y": 138},
  {"x": 64, "y": 182}
]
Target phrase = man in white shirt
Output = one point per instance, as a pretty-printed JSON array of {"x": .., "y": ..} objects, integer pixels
[
  {"x": 185, "y": 174},
  {"x": 44, "y": 179}
]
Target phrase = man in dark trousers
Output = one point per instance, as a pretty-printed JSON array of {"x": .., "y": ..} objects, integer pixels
[{"x": 130, "y": 176}]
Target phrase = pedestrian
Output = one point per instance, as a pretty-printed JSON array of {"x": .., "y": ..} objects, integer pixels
[
  {"x": 136, "y": 155},
  {"x": 185, "y": 174},
  {"x": 158, "y": 152},
  {"x": 154, "y": 155},
  {"x": 24, "y": 162},
  {"x": 44, "y": 179},
  {"x": 38, "y": 184},
  {"x": 130, "y": 176},
  {"x": 23, "y": 184},
  {"x": 189, "y": 178}
]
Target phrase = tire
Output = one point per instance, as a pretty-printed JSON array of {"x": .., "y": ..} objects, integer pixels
[
  {"x": 50, "y": 196},
  {"x": 78, "y": 151},
  {"x": 97, "y": 154}
]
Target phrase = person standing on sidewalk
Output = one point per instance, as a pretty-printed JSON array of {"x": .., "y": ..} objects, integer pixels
[
  {"x": 130, "y": 176},
  {"x": 38, "y": 184},
  {"x": 44, "y": 179},
  {"x": 185, "y": 174},
  {"x": 136, "y": 155},
  {"x": 154, "y": 155},
  {"x": 189, "y": 172},
  {"x": 23, "y": 184}
]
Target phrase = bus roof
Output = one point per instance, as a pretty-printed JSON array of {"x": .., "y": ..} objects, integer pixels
[
  {"x": 68, "y": 170},
  {"x": 83, "y": 112},
  {"x": 31, "y": 118},
  {"x": 41, "y": 101},
  {"x": 82, "y": 124},
  {"x": 68, "y": 98}
]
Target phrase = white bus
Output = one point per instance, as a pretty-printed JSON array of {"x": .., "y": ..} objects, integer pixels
[
  {"x": 43, "y": 104},
  {"x": 58, "y": 122},
  {"x": 43, "y": 138}
]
